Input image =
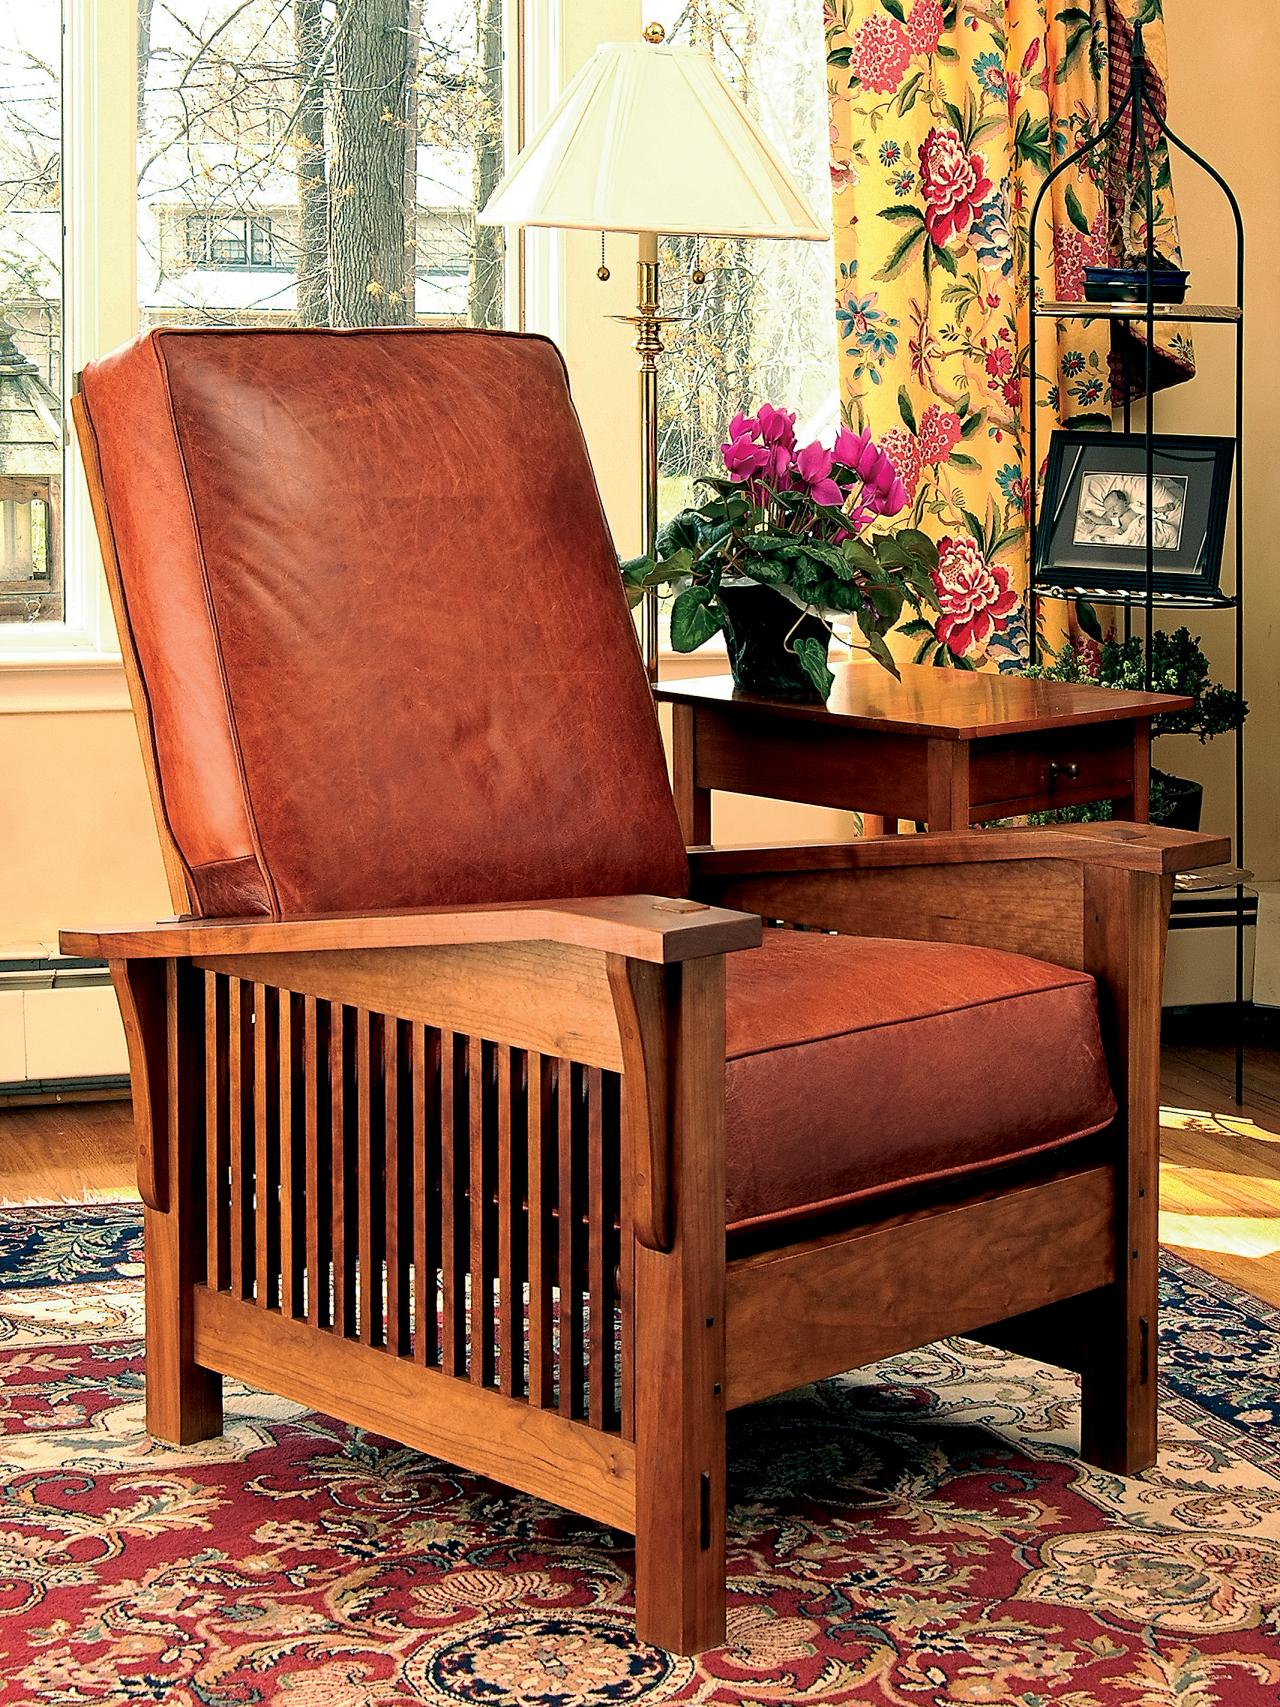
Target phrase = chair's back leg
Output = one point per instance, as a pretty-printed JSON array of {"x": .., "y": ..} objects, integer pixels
[
  {"x": 1126, "y": 919},
  {"x": 679, "y": 1345},
  {"x": 162, "y": 1004}
]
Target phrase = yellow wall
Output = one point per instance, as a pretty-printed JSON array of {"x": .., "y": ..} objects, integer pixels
[{"x": 76, "y": 836}]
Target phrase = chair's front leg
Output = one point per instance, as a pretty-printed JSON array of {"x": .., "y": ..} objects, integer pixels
[
  {"x": 162, "y": 1008},
  {"x": 679, "y": 1341},
  {"x": 1126, "y": 920}
]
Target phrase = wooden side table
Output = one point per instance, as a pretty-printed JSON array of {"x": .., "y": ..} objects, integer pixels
[{"x": 948, "y": 748}]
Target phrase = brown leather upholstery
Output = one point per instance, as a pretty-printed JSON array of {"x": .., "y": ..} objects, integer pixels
[
  {"x": 858, "y": 1065},
  {"x": 387, "y": 657}
]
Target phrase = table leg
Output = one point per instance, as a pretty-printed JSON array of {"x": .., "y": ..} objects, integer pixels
[
  {"x": 1140, "y": 805},
  {"x": 948, "y": 785},
  {"x": 693, "y": 804}
]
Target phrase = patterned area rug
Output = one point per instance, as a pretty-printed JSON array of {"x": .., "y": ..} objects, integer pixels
[{"x": 919, "y": 1534}]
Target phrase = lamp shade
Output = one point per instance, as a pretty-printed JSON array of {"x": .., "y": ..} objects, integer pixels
[{"x": 649, "y": 138}]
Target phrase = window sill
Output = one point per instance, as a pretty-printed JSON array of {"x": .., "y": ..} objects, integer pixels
[{"x": 62, "y": 682}]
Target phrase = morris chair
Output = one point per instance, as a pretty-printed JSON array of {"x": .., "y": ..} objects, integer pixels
[{"x": 471, "y": 1109}]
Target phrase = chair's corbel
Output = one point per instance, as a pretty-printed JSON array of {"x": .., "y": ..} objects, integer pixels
[
  {"x": 144, "y": 989},
  {"x": 644, "y": 998}
]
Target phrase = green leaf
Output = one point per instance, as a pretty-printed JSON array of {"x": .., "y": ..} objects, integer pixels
[
  {"x": 907, "y": 94},
  {"x": 860, "y": 555},
  {"x": 976, "y": 530},
  {"x": 963, "y": 460},
  {"x": 694, "y": 618},
  {"x": 903, "y": 211},
  {"x": 943, "y": 257},
  {"x": 901, "y": 256},
  {"x": 955, "y": 115},
  {"x": 1087, "y": 617},
  {"x": 829, "y": 556},
  {"x": 634, "y": 570},
  {"x": 943, "y": 51},
  {"x": 907, "y": 413},
  {"x": 1075, "y": 213},
  {"x": 894, "y": 9},
  {"x": 921, "y": 547},
  {"x": 882, "y": 655},
  {"x": 888, "y": 601},
  {"x": 813, "y": 660},
  {"x": 1096, "y": 422}
]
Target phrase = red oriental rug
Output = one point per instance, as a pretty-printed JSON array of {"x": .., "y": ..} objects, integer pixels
[{"x": 919, "y": 1534}]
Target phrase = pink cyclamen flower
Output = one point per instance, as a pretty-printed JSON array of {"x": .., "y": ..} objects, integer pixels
[
  {"x": 744, "y": 427},
  {"x": 849, "y": 446},
  {"x": 813, "y": 465},
  {"x": 743, "y": 458},
  {"x": 776, "y": 426}
]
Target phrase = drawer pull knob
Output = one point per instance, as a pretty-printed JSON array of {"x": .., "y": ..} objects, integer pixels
[{"x": 1063, "y": 773}]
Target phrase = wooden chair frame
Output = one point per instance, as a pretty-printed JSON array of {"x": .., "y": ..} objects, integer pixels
[
  {"x": 338, "y": 1115},
  {"x": 458, "y": 1175}
]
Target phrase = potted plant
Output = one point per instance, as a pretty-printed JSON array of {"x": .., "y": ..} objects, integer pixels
[
  {"x": 1178, "y": 665},
  {"x": 790, "y": 536}
]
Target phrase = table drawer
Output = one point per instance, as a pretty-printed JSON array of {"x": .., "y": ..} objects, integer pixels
[{"x": 1028, "y": 773}]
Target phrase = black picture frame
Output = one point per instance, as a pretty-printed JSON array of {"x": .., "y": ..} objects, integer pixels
[{"x": 1094, "y": 513}]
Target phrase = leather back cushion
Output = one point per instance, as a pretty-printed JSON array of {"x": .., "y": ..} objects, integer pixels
[{"x": 376, "y": 609}]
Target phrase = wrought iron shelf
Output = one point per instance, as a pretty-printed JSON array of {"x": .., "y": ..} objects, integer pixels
[
  {"x": 1135, "y": 598},
  {"x": 1138, "y": 311}
]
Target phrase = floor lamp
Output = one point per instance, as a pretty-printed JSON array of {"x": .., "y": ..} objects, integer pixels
[{"x": 650, "y": 139}]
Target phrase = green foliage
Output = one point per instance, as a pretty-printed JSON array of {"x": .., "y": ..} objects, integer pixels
[
  {"x": 1178, "y": 665},
  {"x": 784, "y": 539}
]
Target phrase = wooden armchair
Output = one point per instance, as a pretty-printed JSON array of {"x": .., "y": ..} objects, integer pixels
[{"x": 533, "y": 1184}]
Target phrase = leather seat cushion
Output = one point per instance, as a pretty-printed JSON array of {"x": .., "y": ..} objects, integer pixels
[{"x": 858, "y": 1065}]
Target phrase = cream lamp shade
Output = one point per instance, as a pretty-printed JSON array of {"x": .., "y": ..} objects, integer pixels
[{"x": 649, "y": 138}]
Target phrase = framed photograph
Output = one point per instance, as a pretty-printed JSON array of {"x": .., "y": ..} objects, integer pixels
[{"x": 1092, "y": 528}]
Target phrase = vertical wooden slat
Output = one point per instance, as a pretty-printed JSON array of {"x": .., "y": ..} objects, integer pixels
[
  {"x": 571, "y": 1347},
  {"x": 626, "y": 1280},
  {"x": 539, "y": 1192},
  {"x": 599, "y": 1227},
  {"x": 317, "y": 1278},
  {"x": 453, "y": 1256},
  {"x": 394, "y": 1157},
  {"x": 343, "y": 1299},
  {"x": 262, "y": 1205},
  {"x": 425, "y": 1106},
  {"x": 289, "y": 1196},
  {"x": 370, "y": 1283},
  {"x": 217, "y": 1223},
  {"x": 509, "y": 1324},
  {"x": 235, "y": 1131},
  {"x": 479, "y": 1057}
]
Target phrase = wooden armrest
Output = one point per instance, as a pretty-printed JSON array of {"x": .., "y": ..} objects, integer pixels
[
  {"x": 1128, "y": 847},
  {"x": 639, "y": 927}
]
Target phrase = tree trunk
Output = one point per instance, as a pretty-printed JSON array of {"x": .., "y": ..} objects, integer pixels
[
  {"x": 313, "y": 200},
  {"x": 145, "y": 9},
  {"x": 485, "y": 294},
  {"x": 367, "y": 232}
]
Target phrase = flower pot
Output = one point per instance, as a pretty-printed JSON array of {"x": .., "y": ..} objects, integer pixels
[
  {"x": 1175, "y": 801},
  {"x": 763, "y": 626}
]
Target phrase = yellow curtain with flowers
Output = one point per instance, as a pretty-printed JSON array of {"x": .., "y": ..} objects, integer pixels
[{"x": 946, "y": 116}]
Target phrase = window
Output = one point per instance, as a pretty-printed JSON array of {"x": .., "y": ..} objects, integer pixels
[
  {"x": 302, "y": 165},
  {"x": 31, "y": 315},
  {"x": 215, "y": 242},
  {"x": 762, "y": 327},
  {"x": 294, "y": 165}
]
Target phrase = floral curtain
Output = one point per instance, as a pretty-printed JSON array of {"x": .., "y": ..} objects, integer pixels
[{"x": 946, "y": 116}]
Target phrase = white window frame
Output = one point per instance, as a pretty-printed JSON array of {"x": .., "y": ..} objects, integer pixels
[{"x": 76, "y": 664}]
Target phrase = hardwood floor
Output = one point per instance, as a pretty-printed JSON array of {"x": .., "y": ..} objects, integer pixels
[{"x": 1219, "y": 1191}]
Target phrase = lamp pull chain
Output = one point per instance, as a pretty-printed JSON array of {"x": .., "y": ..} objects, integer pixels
[
  {"x": 697, "y": 276},
  {"x": 602, "y": 271}
]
